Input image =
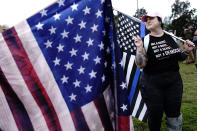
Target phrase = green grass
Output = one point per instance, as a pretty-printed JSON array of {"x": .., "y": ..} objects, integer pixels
[{"x": 189, "y": 102}]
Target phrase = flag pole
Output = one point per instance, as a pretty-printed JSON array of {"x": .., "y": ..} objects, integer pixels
[
  {"x": 137, "y": 5},
  {"x": 174, "y": 36},
  {"x": 143, "y": 22}
]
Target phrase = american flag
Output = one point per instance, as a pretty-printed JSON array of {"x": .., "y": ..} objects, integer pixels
[
  {"x": 128, "y": 27},
  {"x": 57, "y": 68}
]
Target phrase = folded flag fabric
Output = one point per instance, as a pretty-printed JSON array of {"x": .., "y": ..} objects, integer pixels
[{"x": 58, "y": 70}]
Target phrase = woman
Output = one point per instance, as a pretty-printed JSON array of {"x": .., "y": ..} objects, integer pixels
[
  {"x": 161, "y": 83},
  {"x": 195, "y": 50}
]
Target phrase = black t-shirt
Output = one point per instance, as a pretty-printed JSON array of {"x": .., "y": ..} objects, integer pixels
[{"x": 163, "y": 55}]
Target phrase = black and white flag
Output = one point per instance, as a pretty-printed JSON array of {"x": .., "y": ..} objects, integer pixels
[{"x": 128, "y": 27}]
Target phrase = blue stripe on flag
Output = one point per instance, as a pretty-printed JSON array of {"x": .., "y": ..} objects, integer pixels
[
  {"x": 142, "y": 30},
  {"x": 137, "y": 73},
  {"x": 134, "y": 85}
]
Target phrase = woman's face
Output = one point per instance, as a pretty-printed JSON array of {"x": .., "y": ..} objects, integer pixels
[{"x": 152, "y": 23}]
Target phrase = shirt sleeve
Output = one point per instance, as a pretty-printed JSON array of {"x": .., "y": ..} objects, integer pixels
[{"x": 182, "y": 55}]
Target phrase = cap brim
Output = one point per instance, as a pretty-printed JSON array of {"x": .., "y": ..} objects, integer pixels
[{"x": 144, "y": 18}]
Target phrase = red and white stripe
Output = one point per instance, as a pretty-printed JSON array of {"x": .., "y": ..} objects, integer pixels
[
  {"x": 45, "y": 75},
  {"x": 91, "y": 117},
  {"x": 16, "y": 80},
  {"x": 7, "y": 121}
]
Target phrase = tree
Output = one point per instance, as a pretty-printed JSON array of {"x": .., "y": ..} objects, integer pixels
[
  {"x": 181, "y": 16},
  {"x": 179, "y": 8},
  {"x": 166, "y": 22},
  {"x": 140, "y": 12}
]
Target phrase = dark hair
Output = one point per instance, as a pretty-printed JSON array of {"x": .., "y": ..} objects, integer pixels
[{"x": 160, "y": 20}]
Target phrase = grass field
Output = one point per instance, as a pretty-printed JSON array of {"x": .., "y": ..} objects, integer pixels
[{"x": 189, "y": 102}]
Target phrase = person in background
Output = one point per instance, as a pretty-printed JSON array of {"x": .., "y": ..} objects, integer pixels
[
  {"x": 3, "y": 28},
  {"x": 188, "y": 34},
  {"x": 195, "y": 50},
  {"x": 160, "y": 83}
]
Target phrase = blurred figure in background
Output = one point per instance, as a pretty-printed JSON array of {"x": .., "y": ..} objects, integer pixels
[
  {"x": 188, "y": 35},
  {"x": 195, "y": 50},
  {"x": 3, "y": 28}
]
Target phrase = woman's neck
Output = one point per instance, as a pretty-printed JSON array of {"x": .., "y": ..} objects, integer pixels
[{"x": 157, "y": 33}]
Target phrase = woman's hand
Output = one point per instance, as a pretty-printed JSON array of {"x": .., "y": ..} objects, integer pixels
[
  {"x": 138, "y": 41},
  {"x": 188, "y": 45}
]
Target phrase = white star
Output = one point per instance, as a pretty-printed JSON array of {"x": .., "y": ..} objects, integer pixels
[
  {"x": 123, "y": 85},
  {"x": 104, "y": 32},
  {"x": 99, "y": 13},
  {"x": 56, "y": 61},
  {"x": 52, "y": 30},
  {"x": 81, "y": 70},
  {"x": 92, "y": 74},
  {"x": 101, "y": 46},
  {"x": 113, "y": 66},
  {"x": 60, "y": 48},
  {"x": 73, "y": 97},
  {"x": 57, "y": 16},
  {"x": 48, "y": 44},
  {"x": 88, "y": 88},
  {"x": 85, "y": 56},
  {"x": 122, "y": 63},
  {"x": 105, "y": 64},
  {"x": 73, "y": 52},
  {"x": 94, "y": 28},
  {"x": 86, "y": 10},
  {"x": 61, "y": 2},
  {"x": 107, "y": 19},
  {"x": 90, "y": 42},
  {"x": 68, "y": 65},
  {"x": 64, "y": 34},
  {"x": 77, "y": 83},
  {"x": 82, "y": 25},
  {"x": 124, "y": 107},
  {"x": 102, "y": 1},
  {"x": 97, "y": 60},
  {"x": 103, "y": 78},
  {"x": 69, "y": 20},
  {"x": 43, "y": 13},
  {"x": 77, "y": 38},
  {"x": 74, "y": 7},
  {"x": 64, "y": 79},
  {"x": 108, "y": 50},
  {"x": 39, "y": 26}
]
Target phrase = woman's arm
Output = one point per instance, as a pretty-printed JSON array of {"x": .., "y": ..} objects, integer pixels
[
  {"x": 188, "y": 46},
  {"x": 141, "y": 58}
]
